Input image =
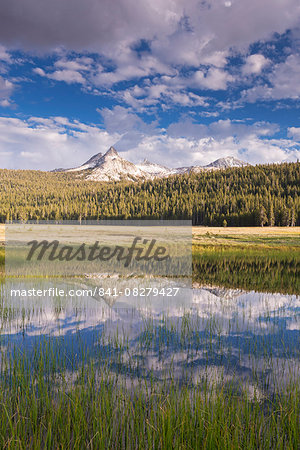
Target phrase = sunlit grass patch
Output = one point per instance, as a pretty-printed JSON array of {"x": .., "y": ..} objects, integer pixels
[{"x": 258, "y": 261}]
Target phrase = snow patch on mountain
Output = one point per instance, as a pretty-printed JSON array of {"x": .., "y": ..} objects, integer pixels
[
  {"x": 89, "y": 164},
  {"x": 155, "y": 170},
  {"x": 112, "y": 167},
  {"x": 228, "y": 161}
]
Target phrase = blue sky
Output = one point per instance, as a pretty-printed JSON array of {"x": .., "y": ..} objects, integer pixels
[{"x": 179, "y": 83}]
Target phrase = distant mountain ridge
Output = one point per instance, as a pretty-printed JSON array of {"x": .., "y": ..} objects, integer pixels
[
  {"x": 224, "y": 163},
  {"x": 112, "y": 167}
]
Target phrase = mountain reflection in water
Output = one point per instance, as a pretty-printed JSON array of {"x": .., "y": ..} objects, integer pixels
[{"x": 201, "y": 334}]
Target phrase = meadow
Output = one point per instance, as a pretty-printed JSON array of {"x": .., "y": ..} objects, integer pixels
[
  {"x": 263, "y": 259},
  {"x": 218, "y": 369}
]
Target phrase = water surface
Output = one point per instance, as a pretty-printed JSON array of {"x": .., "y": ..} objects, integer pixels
[{"x": 205, "y": 335}]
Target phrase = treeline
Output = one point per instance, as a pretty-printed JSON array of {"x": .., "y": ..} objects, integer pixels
[{"x": 263, "y": 195}]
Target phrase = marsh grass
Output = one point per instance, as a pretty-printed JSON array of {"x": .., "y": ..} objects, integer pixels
[
  {"x": 103, "y": 390},
  {"x": 105, "y": 396},
  {"x": 99, "y": 413},
  {"x": 2, "y": 258},
  {"x": 254, "y": 261},
  {"x": 251, "y": 269}
]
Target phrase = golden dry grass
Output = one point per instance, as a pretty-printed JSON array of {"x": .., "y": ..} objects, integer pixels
[
  {"x": 255, "y": 231},
  {"x": 280, "y": 238},
  {"x": 228, "y": 231}
]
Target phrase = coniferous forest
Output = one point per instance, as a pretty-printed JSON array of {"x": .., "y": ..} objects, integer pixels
[{"x": 265, "y": 195}]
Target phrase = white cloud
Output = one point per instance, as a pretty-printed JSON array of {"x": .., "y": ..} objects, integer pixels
[
  {"x": 224, "y": 137},
  {"x": 178, "y": 33},
  {"x": 254, "y": 64},
  {"x": 213, "y": 79},
  {"x": 83, "y": 63},
  {"x": 6, "y": 89},
  {"x": 284, "y": 82},
  {"x": 48, "y": 143},
  {"x": 294, "y": 133},
  {"x": 67, "y": 75},
  {"x": 175, "y": 152},
  {"x": 222, "y": 129},
  {"x": 5, "y": 103},
  {"x": 103, "y": 25},
  {"x": 4, "y": 55},
  {"x": 213, "y": 27},
  {"x": 41, "y": 143},
  {"x": 129, "y": 66},
  {"x": 217, "y": 59},
  {"x": 69, "y": 70},
  {"x": 121, "y": 120},
  {"x": 39, "y": 71},
  {"x": 165, "y": 90}
]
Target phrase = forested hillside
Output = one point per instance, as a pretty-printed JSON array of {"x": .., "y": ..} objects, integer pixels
[{"x": 248, "y": 196}]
